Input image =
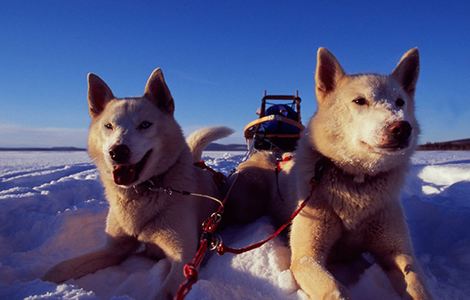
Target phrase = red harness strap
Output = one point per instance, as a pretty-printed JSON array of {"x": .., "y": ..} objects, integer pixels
[
  {"x": 190, "y": 270},
  {"x": 278, "y": 170},
  {"x": 207, "y": 241},
  {"x": 282, "y": 161}
]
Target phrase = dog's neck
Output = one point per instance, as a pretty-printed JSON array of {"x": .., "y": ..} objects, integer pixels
[
  {"x": 354, "y": 194},
  {"x": 324, "y": 163},
  {"x": 306, "y": 149},
  {"x": 150, "y": 185},
  {"x": 357, "y": 178},
  {"x": 164, "y": 179}
]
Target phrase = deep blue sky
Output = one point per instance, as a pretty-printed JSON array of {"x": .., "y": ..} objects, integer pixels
[{"x": 218, "y": 57}]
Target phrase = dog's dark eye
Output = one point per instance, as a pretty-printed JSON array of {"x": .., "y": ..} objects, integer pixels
[
  {"x": 360, "y": 101},
  {"x": 145, "y": 125},
  {"x": 400, "y": 102},
  {"x": 108, "y": 126}
]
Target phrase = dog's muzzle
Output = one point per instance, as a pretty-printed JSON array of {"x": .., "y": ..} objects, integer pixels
[
  {"x": 120, "y": 153},
  {"x": 397, "y": 136}
]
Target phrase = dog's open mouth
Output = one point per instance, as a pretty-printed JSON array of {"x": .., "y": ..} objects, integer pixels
[
  {"x": 128, "y": 174},
  {"x": 394, "y": 146},
  {"x": 389, "y": 147}
]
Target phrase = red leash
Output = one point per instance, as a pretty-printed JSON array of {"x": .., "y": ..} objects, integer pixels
[{"x": 209, "y": 241}]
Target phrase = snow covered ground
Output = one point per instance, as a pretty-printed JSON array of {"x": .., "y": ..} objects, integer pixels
[{"x": 52, "y": 207}]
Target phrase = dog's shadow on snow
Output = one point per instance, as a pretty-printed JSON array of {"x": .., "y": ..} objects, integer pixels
[
  {"x": 445, "y": 209},
  {"x": 446, "y": 212}
]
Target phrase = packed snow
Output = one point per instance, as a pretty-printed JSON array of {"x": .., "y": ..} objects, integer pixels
[{"x": 52, "y": 208}]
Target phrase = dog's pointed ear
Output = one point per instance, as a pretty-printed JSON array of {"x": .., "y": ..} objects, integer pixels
[
  {"x": 158, "y": 92},
  {"x": 328, "y": 72},
  {"x": 407, "y": 70},
  {"x": 99, "y": 94}
]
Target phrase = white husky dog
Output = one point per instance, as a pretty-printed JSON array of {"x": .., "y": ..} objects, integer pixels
[
  {"x": 356, "y": 148},
  {"x": 138, "y": 148}
]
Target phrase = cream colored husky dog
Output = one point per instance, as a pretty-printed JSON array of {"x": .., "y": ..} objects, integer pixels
[
  {"x": 357, "y": 147},
  {"x": 139, "y": 148}
]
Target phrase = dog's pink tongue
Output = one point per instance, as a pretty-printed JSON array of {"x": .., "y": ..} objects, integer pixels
[{"x": 124, "y": 175}]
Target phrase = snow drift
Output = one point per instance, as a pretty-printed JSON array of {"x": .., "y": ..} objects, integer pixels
[{"x": 52, "y": 207}]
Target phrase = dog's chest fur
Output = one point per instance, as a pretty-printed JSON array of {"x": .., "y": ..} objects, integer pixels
[
  {"x": 354, "y": 202},
  {"x": 135, "y": 210}
]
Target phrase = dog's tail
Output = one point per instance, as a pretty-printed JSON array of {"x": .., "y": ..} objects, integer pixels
[{"x": 198, "y": 140}]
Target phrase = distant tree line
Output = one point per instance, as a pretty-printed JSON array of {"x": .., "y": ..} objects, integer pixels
[
  {"x": 51, "y": 149},
  {"x": 222, "y": 147},
  {"x": 451, "y": 145}
]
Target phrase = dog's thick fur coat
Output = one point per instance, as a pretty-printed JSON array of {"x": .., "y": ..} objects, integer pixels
[
  {"x": 154, "y": 149},
  {"x": 355, "y": 208}
]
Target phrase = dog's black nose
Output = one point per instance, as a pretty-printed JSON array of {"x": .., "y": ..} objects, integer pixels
[
  {"x": 400, "y": 131},
  {"x": 120, "y": 153}
]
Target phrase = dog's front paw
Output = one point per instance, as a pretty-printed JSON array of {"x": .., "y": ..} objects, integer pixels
[
  {"x": 418, "y": 292},
  {"x": 416, "y": 288},
  {"x": 56, "y": 274},
  {"x": 62, "y": 272},
  {"x": 339, "y": 293}
]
